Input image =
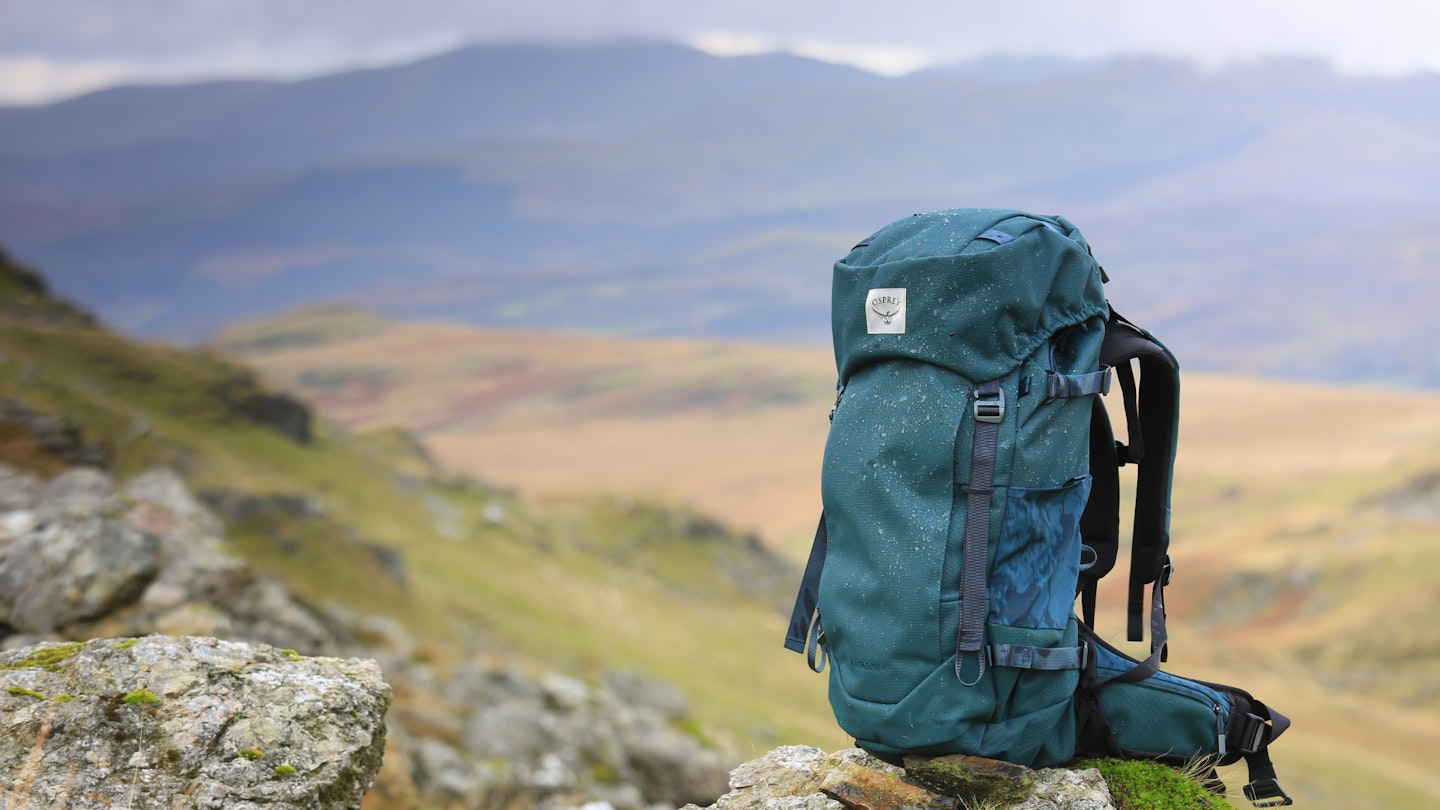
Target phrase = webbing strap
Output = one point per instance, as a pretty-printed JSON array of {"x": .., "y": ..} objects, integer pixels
[
  {"x": 815, "y": 646},
  {"x": 1159, "y": 639},
  {"x": 989, "y": 411},
  {"x": 802, "y": 617},
  {"x": 1264, "y": 788},
  {"x": 1022, "y": 656},
  {"x": 1100, "y": 523},
  {"x": 1076, "y": 385}
]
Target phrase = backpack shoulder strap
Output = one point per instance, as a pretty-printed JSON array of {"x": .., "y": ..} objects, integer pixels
[{"x": 1151, "y": 427}]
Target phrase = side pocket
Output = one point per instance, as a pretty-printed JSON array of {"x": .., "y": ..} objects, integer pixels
[
  {"x": 1021, "y": 691},
  {"x": 1036, "y": 559},
  {"x": 1034, "y": 705}
]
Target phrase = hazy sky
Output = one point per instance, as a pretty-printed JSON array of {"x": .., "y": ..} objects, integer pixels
[{"x": 54, "y": 48}]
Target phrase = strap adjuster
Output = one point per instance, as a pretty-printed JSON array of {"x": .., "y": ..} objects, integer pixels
[
  {"x": 1253, "y": 734},
  {"x": 1267, "y": 793},
  {"x": 990, "y": 410}
]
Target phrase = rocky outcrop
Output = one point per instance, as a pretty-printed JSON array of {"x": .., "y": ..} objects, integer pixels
[
  {"x": 161, "y": 722},
  {"x": 501, "y": 738},
  {"x": 49, "y": 435},
  {"x": 82, "y": 556},
  {"x": 797, "y": 777},
  {"x": 242, "y": 394}
]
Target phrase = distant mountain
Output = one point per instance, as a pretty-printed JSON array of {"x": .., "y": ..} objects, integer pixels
[{"x": 1275, "y": 218}]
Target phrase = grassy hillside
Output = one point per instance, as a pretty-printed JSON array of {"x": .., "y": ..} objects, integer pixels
[
  {"x": 585, "y": 585},
  {"x": 1304, "y": 516}
]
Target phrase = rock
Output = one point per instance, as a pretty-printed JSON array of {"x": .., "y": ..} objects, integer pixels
[
  {"x": 194, "y": 722},
  {"x": 163, "y": 488},
  {"x": 147, "y": 560},
  {"x": 786, "y": 778},
  {"x": 243, "y": 396},
  {"x": 72, "y": 568},
  {"x": 797, "y": 777},
  {"x": 862, "y": 788},
  {"x": 18, "y": 490},
  {"x": 564, "y": 737},
  {"x": 1062, "y": 789},
  {"x": 79, "y": 491},
  {"x": 50, "y": 436},
  {"x": 193, "y": 568},
  {"x": 972, "y": 779}
]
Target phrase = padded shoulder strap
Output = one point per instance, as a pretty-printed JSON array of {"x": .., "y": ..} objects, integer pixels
[{"x": 1152, "y": 402}]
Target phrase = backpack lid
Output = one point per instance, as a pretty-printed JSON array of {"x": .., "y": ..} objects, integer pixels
[{"x": 973, "y": 290}]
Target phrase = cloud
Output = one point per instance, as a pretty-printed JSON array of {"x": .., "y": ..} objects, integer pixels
[
  {"x": 36, "y": 79},
  {"x": 886, "y": 61},
  {"x": 57, "y": 47}
]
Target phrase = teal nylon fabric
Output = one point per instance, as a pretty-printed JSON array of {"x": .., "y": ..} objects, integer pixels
[
  {"x": 1018, "y": 306},
  {"x": 974, "y": 306},
  {"x": 1165, "y": 716}
]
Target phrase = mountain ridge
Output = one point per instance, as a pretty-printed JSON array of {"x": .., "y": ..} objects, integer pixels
[{"x": 1273, "y": 218}]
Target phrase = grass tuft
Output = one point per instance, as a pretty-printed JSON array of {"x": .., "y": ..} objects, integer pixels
[{"x": 1138, "y": 784}]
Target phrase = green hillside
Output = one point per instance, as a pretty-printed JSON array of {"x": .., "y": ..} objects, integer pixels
[{"x": 368, "y": 521}]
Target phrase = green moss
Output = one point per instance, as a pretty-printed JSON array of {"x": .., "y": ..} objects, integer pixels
[
  {"x": 47, "y": 658},
  {"x": 1145, "y": 785},
  {"x": 126, "y": 644},
  {"x": 141, "y": 697},
  {"x": 252, "y": 754},
  {"x": 20, "y": 691},
  {"x": 63, "y": 698},
  {"x": 285, "y": 770}
]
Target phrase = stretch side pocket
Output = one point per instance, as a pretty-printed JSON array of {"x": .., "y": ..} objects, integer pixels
[{"x": 1037, "y": 556}]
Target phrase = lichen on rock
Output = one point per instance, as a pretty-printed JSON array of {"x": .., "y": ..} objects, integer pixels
[{"x": 169, "y": 722}]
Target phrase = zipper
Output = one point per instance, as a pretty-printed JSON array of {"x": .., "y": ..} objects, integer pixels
[{"x": 1182, "y": 688}]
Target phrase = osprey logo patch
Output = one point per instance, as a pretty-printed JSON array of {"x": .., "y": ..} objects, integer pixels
[{"x": 885, "y": 311}]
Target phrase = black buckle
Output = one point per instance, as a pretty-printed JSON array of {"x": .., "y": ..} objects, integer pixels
[
  {"x": 1252, "y": 735},
  {"x": 1267, "y": 793}
]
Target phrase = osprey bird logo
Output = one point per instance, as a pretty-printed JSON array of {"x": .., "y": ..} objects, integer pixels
[{"x": 885, "y": 311}]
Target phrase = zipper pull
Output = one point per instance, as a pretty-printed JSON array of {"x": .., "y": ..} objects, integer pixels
[{"x": 1220, "y": 733}]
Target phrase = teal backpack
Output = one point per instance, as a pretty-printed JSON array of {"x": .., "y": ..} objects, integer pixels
[{"x": 971, "y": 496}]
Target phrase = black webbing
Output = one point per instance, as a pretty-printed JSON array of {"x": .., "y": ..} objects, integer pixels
[
  {"x": 809, "y": 595},
  {"x": 1264, "y": 788},
  {"x": 1100, "y": 523}
]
